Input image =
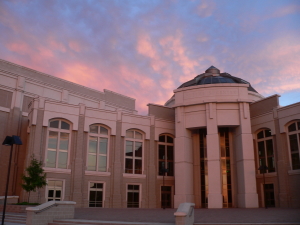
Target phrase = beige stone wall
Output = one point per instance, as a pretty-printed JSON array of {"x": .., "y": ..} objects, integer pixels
[
  {"x": 263, "y": 106},
  {"x": 160, "y": 111}
]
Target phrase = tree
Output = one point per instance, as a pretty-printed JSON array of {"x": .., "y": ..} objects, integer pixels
[{"x": 36, "y": 177}]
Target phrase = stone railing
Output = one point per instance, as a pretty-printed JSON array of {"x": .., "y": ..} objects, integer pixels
[
  {"x": 185, "y": 214},
  {"x": 47, "y": 212}
]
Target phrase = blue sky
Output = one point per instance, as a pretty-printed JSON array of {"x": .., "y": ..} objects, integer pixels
[{"x": 146, "y": 49}]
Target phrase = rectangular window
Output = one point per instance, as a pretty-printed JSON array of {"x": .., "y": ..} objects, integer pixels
[
  {"x": 133, "y": 196},
  {"x": 133, "y": 157},
  {"x": 54, "y": 190},
  {"x": 166, "y": 197},
  {"x": 165, "y": 156},
  {"x": 96, "y": 195}
]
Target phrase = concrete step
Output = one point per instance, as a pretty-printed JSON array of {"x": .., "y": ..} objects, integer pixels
[
  {"x": 14, "y": 218},
  {"x": 97, "y": 222}
]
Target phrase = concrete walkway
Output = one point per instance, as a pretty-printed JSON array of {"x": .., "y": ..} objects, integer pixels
[{"x": 261, "y": 215}]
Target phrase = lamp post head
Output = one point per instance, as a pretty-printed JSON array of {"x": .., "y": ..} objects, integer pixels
[
  {"x": 263, "y": 169},
  {"x": 13, "y": 140}
]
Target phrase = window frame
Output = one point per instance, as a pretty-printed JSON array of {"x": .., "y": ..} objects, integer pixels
[
  {"x": 59, "y": 130},
  {"x": 103, "y": 193},
  {"x": 165, "y": 144},
  {"x": 134, "y": 140},
  {"x": 297, "y": 132},
  {"x": 140, "y": 194},
  {"x": 264, "y": 140},
  {"x": 98, "y": 135},
  {"x": 63, "y": 188}
]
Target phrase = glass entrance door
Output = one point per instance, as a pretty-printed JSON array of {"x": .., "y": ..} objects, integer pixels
[
  {"x": 270, "y": 196},
  {"x": 166, "y": 197}
]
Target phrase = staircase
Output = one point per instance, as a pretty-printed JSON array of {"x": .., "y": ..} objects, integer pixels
[
  {"x": 95, "y": 222},
  {"x": 14, "y": 218}
]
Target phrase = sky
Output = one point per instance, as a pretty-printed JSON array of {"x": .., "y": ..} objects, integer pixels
[{"x": 147, "y": 49}]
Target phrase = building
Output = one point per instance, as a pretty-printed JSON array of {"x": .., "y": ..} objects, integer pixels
[{"x": 204, "y": 145}]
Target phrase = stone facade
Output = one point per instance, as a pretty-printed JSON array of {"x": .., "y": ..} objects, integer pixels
[{"x": 206, "y": 134}]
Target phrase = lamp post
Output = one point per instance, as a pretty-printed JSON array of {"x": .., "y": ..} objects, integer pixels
[
  {"x": 9, "y": 141},
  {"x": 263, "y": 169}
]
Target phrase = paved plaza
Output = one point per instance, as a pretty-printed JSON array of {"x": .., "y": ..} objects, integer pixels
[{"x": 260, "y": 215}]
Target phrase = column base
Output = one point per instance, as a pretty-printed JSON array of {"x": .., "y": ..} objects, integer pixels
[
  {"x": 249, "y": 200},
  {"x": 215, "y": 201},
  {"x": 178, "y": 199}
]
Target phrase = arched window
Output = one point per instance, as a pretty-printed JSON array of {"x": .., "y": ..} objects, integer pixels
[
  {"x": 294, "y": 143},
  {"x": 134, "y": 152},
  {"x": 58, "y": 146},
  {"x": 265, "y": 150},
  {"x": 97, "y": 148},
  {"x": 165, "y": 155}
]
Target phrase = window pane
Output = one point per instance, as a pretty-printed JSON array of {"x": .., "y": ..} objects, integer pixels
[
  {"x": 91, "y": 162},
  {"x": 138, "y": 135},
  {"x": 161, "y": 151},
  {"x": 54, "y": 124},
  {"x": 128, "y": 166},
  {"x": 102, "y": 163},
  {"x": 103, "y": 146},
  {"x": 298, "y": 125},
  {"x": 92, "y": 195},
  {"x": 52, "y": 141},
  {"x": 162, "y": 138},
  {"x": 57, "y": 194},
  {"x": 92, "y": 185},
  {"x": 260, "y": 135},
  {"x": 138, "y": 166},
  {"x": 129, "y": 134},
  {"x": 62, "y": 160},
  {"x": 58, "y": 183},
  {"x": 169, "y": 139},
  {"x": 65, "y": 125},
  {"x": 94, "y": 129},
  {"x": 138, "y": 149},
  {"x": 64, "y": 141},
  {"x": 51, "y": 159},
  {"x": 268, "y": 133},
  {"x": 129, "y": 148},
  {"x": 295, "y": 161},
  {"x": 169, "y": 152},
  {"x": 51, "y": 193},
  {"x": 50, "y": 183},
  {"x": 269, "y": 144},
  {"x": 292, "y": 127},
  {"x": 99, "y": 185},
  {"x": 103, "y": 130},
  {"x": 130, "y": 187},
  {"x": 93, "y": 142},
  {"x": 170, "y": 169},
  {"x": 293, "y": 143},
  {"x": 271, "y": 166},
  {"x": 261, "y": 149},
  {"x": 161, "y": 167}
]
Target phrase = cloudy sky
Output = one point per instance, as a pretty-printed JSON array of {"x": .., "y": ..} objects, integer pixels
[{"x": 146, "y": 49}]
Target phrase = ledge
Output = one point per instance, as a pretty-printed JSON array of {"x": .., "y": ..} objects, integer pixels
[
  {"x": 56, "y": 170},
  {"x": 3, "y": 109},
  {"x": 294, "y": 172},
  {"x": 9, "y": 197},
  {"x": 274, "y": 174},
  {"x": 166, "y": 177},
  {"x": 95, "y": 173},
  {"x": 49, "y": 204},
  {"x": 130, "y": 175}
]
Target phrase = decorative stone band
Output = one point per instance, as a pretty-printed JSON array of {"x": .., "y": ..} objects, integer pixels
[
  {"x": 10, "y": 199},
  {"x": 47, "y": 212},
  {"x": 185, "y": 214}
]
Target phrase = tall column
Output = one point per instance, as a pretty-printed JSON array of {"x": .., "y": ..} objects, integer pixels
[
  {"x": 183, "y": 161},
  {"x": 282, "y": 165},
  {"x": 117, "y": 171},
  {"x": 152, "y": 167},
  {"x": 246, "y": 170},
  {"x": 78, "y": 163},
  {"x": 213, "y": 158}
]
